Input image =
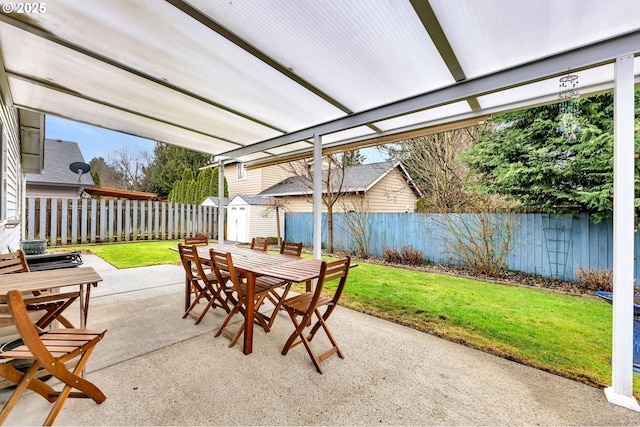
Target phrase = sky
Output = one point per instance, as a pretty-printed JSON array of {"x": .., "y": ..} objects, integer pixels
[
  {"x": 94, "y": 141},
  {"x": 98, "y": 142}
]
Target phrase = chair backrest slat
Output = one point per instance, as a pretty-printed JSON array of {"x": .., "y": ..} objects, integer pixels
[
  {"x": 260, "y": 243},
  {"x": 14, "y": 262},
  {"x": 291, "y": 248},
  {"x": 331, "y": 271},
  {"x": 196, "y": 240}
]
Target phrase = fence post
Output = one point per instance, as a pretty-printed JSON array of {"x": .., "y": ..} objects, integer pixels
[
  {"x": 119, "y": 220},
  {"x": 134, "y": 232},
  {"x": 149, "y": 219},
  {"x": 156, "y": 220},
  {"x": 127, "y": 220},
  {"x": 42, "y": 230},
  {"x": 84, "y": 221},
  {"x": 64, "y": 220},
  {"x": 94, "y": 219},
  {"x": 74, "y": 221},
  {"x": 53, "y": 223}
]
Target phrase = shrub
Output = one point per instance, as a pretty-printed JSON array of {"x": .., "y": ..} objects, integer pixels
[
  {"x": 392, "y": 256},
  {"x": 411, "y": 256},
  {"x": 596, "y": 280}
]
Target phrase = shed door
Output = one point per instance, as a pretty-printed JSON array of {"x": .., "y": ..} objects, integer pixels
[{"x": 237, "y": 224}]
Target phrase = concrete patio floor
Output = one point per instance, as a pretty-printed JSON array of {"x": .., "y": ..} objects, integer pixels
[{"x": 159, "y": 369}]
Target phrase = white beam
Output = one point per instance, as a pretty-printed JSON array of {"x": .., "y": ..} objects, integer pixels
[
  {"x": 599, "y": 53},
  {"x": 621, "y": 391},
  {"x": 317, "y": 196},
  {"x": 220, "y": 202}
]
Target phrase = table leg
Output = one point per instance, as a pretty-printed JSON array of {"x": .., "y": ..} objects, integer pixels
[
  {"x": 249, "y": 315},
  {"x": 187, "y": 291},
  {"x": 85, "y": 314},
  {"x": 83, "y": 317}
]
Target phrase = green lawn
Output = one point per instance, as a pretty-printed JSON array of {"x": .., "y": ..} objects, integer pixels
[
  {"x": 563, "y": 334},
  {"x": 134, "y": 254}
]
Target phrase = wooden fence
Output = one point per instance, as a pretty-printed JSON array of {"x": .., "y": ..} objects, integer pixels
[
  {"x": 544, "y": 244},
  {"x": 64, "y": 221}
]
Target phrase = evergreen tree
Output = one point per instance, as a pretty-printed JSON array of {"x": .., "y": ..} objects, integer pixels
[{"x": 525, "y": 158}]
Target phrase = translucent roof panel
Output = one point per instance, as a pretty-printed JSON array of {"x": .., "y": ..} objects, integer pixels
[
  {"x": 492, "y": 35},
  {"x": 67, "y": 106},
  {"x": 426, "y": 117},
  {"x": 158, "y": 40},
  {"x": 129, "y": 91},
  {"x": 363, "y": 53},
  {"x": 248, "y": 79}
]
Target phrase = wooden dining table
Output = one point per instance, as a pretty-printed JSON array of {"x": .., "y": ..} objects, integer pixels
[
  {"x": 84, "y": 277},
  {"x": 252, "y": 263}
]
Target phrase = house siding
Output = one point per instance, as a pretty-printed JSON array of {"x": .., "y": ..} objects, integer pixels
[
  {"x": 257, "y": 180},
  {"x": 51, "y": 191},
  {"x": 249, "y": 186},
  {"x": 391, "y": 194},
  {"x": 11, "y": 193}
]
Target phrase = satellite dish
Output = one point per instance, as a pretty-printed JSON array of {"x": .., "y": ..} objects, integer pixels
[{"x": 79, "y": 168}]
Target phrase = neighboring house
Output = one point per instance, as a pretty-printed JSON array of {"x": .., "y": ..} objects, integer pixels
[
  {"x": 249, "y": 217},
  {"x": 56, "y": 179},
  {"x": 374, "y": 187},
  {"x": 241, "y": 180}
]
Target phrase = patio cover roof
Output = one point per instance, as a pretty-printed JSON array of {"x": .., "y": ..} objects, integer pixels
[
  {"x": 262, "y": 80},
  {"x": 254, "y": 80}
]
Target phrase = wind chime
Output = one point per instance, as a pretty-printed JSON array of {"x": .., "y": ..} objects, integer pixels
[{"x": 569, "y": 108}]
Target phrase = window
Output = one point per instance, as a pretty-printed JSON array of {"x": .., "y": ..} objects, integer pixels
[{"x": 242, "y": 172}]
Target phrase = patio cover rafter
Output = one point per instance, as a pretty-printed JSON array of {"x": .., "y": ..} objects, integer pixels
[
  {"x": 575, "y": 60},
  {"x": 109, "y": 61},
  {"x": 252, "y": 50}
]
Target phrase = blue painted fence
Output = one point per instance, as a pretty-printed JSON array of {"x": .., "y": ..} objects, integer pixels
[{"x": 544, "y": 244}]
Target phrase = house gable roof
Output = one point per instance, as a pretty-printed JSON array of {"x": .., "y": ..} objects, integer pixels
[
  {"x": 58, "y": 155},
  {"x": 357, "y": 179}
]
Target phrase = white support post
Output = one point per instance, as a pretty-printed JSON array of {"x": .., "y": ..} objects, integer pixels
[
  {"x": 220, "y": 201},
  {"x": 317, "y": 196},
  {"x": 621, "y": 391}
]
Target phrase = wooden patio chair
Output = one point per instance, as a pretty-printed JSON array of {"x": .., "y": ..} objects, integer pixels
[
  {"x": 196, "y": 240},
  {"x": 205, "y": 285},
  {"x": 260, "y": 243},
  {"x": 237, "y": 294},
  {"x": 52, "y": 303},
  {"x": 50, "y": 351},
  {"x": 276, "y": 298},
  {"x": 304, "y": 305}
]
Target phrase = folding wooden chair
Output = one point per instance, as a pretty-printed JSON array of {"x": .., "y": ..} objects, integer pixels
[
  {"x": 237, "y": 294},
  {"x": 276, "y": 298},
  {"x": 306, "y": 304},
  {"x": 50, "y": 352},
  {"x": 260, "y": 243},
  {"x": 53, "y": 304},
  {"x": 204, "y": 285},
  {"x": 196, "y": 240}
]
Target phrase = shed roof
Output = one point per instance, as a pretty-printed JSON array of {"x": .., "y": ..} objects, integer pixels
[
  {"x": 58, "y": 155},
  {"x": 255, "y": 80},
  {"x": 215, "y": 199},
  {"x": 357, "y": 179},
  {"x": 258, "y": 200}
]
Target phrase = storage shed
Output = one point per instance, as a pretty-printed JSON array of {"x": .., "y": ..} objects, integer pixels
[{"x": 249, "y": 217}]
